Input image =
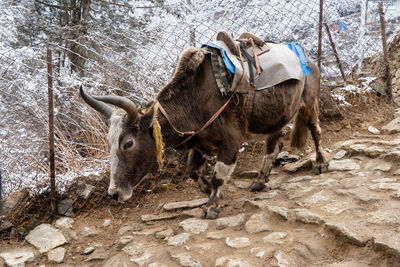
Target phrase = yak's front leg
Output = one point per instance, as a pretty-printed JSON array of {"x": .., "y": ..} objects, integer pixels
[{"x": 222, "y": 173}]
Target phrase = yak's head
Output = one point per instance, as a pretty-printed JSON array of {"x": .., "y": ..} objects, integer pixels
[{"x": 132, "y": 147}]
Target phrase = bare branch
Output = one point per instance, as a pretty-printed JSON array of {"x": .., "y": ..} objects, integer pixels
[
  {"x": 129, "y": 6},
  {"x": 51, "y": 5}
]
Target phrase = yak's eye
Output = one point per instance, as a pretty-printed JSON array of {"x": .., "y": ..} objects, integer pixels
[{"x": 128, "y": 145}]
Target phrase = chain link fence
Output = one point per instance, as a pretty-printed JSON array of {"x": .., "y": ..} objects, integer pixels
[{"x": 132, "y": 51}]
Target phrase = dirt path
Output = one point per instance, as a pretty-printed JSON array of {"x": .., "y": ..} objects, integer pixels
[{"x": 349, "y": 216}]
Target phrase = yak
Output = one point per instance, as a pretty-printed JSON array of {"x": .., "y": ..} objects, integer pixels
[{"x": 180, "y": 115}]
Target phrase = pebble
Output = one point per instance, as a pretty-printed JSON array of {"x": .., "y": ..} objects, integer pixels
[
  {"x": 231, "y": 221},
  {"x": 237, "y": 242},
  {"x": 178, "y": 240}
]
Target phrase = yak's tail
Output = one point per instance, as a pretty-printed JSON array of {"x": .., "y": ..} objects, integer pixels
[{"x": 300, "y": 132}]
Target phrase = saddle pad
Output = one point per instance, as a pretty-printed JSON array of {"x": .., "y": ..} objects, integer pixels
[{"x": 279, "y": 64}]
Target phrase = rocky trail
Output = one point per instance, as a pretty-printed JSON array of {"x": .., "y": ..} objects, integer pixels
[{"x": 347, "y": 217}]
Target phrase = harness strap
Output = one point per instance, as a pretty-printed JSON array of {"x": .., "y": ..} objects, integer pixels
[{"x": 211, "y": 120}]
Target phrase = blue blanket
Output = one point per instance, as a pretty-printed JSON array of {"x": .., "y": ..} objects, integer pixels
[{"x": 298, "y": 50}]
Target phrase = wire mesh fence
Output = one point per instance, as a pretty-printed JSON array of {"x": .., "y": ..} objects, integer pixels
[{"x": 132, "y": 51}]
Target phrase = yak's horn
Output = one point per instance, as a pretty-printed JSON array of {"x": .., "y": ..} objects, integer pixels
[
  {"x": 123, "y": 103},
  {"x": 97, "y": 105}
]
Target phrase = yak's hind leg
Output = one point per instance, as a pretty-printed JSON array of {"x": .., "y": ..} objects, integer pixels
[
  {"x": 307, "y": 117},
  {"x": 194, "y": 169},
  {"x": 274, "y": 144}
]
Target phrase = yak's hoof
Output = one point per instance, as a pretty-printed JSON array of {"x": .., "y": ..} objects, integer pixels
[
  {"x": 257, "y": 186},
  {"x": 210, "y": 213},
  {"x": 321, "y": 167}
]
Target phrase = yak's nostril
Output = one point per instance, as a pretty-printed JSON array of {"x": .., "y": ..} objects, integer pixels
[{"x": 115, "y": 196}]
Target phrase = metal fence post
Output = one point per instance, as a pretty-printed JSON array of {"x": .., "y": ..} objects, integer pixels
[
  {"x": 335, "y": 51},
  {"x": 51, "y": 130},
  {"x": 385, "y": 53},
  {"x": 321, "y": 11}
]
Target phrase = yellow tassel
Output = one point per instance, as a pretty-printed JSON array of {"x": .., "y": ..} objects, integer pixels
[{"x": 158, "y": 138}]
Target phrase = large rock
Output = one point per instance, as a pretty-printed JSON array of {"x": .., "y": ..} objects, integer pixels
[
  {"x": 343, "y": 165},
  {"x": 306, "y": 216},
  {"x": 13, "y": 200},
  {"x": 121, "y": 259},
  {"x": 185, "y": 259},
  {"x": 178, "y": 240},
  {"x": 159, "y": 217},
  {"x": 275, "y": 238},
  {"x": 64, "y": 223},
  {"x": 18, "y": 256},
  {"x": 45, "y": 237},
  {"x": 299, "y": 165},
  {"x": 231, "y": 221},
  {"x": 56, "y": 255},
  {"x": 257, "y": 223},
  {"x": 341, "y": 230},
  {"x": 283, "y": 259},
  {"x": 66, "y": 207},
  {"x": 392, "y": 127},
  {"x": 185, "y": 204},
  {"x": 195, "y": 226},
  {"x": 237, "y": 242}
]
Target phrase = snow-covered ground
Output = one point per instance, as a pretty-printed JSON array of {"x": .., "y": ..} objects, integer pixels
[{"x": 133, "y": 52}]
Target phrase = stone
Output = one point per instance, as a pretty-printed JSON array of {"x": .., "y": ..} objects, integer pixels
[
  {"x": 126, "y": 229},
  {"x": 238, "y": 263},
  {"x": 45, "y": 237},
  {"x": 275, "y": 238},
  {"x": 185, "y": 204},
  {"x": 343, "y": 165},
  {"x": 231, "y": 221},
  {"x": 125, "y": 239},
  {"x": 193, "y": 225},
  {"x": 283, "y": 259},
  {"x": 56, "y": 255},
  {"x": 387, "y": 241},
  {"x": 196, "y": 212},
  {"x": 88, "y": 231},
  {"x": 299, "y": 165},
  {"x": 106, "y": 223},
  {"x": 266, "y": 195},
  {"x": 220, "y": 262},
  {"x": 281, "y": 211},
  {"x": 5, "y": 225},
  {"x": 342, "y": 231},
  {"x": 150, "y": 231},
  {"x": 84, "y": 190},
  {"x": 17, "y": 256},
  {"x": 13, "y": 200},
  {"x": 249, "y": 174},
  {"x": 378, "y": 165},
  {"x": 64, "y": 223},
  {"x": 121, "y": 259},
  {"x": 340, "y": 154},
  {"x": 397, "y": 172},
  {"x": 66, "y": 207},
  {"x": 261, "y": 204},
  {"x": 319, "y": 197},
  {"x": 157, "y": 264},
  {"x": 373, "y": 130},
  {"x": 88, "y": 250},
  {"x": 306, "y": 216},
  {"x": 348, "y": 264},
  {"x": 237, "y": 242},
  {"x": 299, "y": 179},
  {"x": 178, "y": 240},
  {"x": 260, "y": 252},
  {"x": 257, "y": 223},
  {"x": 242, "y": 184},
  {"x": 392, "y": 127},
  {"x": 385, "y": 187},
  {"x": 185, "y": 259},
  {"x": 216, "y": 235},
  {"x": 159, "y": 217},
  {"x": 144, "y": 259},
  {"x": 165, "y": 234},
  {"x": 97, "y": 255}
]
